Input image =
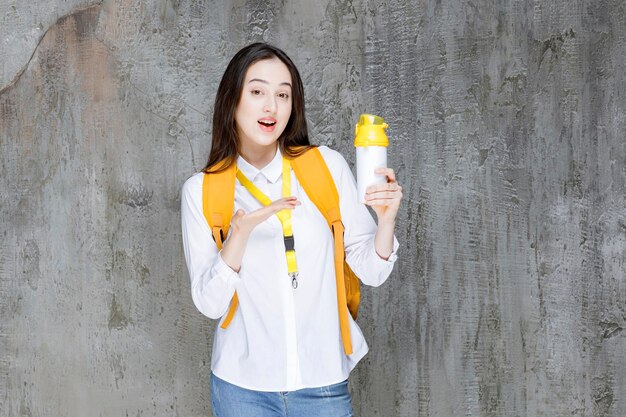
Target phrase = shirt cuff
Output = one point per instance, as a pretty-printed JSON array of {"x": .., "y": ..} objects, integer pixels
[
  {"x": 224, "y": 271},
  {"x": 392, "y": 258}
]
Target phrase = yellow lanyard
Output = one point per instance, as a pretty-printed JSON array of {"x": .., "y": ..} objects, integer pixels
[{"x": 284, "y": 216}]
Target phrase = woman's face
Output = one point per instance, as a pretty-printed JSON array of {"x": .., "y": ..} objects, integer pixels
[{"x": 264, "y": 106}]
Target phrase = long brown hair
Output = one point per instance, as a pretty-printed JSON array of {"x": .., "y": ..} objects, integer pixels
[{"x": 225, "y": 142}]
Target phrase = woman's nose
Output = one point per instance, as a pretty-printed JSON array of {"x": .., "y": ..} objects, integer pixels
[{"x": 270, "y": 104}]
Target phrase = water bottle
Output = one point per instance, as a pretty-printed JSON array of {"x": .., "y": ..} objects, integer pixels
[{"x": 371, "y": 144}]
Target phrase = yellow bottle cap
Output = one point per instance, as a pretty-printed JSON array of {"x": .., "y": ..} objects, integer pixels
[{"x": 370, "y": 131}]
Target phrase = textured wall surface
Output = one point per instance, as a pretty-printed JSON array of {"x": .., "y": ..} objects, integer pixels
[{"x": 507, "y": 121}]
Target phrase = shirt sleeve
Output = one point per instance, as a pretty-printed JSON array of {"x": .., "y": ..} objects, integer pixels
[
  {"x": 213, "y": 282},
  {"x": 360, "y": 227}
]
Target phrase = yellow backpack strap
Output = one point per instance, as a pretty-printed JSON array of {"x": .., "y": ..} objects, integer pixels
[
  {"x": 316, "y": 180},
  {"x": 218, "y": 201}
]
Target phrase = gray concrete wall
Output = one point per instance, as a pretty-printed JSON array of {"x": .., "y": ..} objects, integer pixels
[{"x": 507, "y": 121}]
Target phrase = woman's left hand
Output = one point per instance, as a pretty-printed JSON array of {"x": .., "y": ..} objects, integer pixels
[{"x": 385, "y": 198}]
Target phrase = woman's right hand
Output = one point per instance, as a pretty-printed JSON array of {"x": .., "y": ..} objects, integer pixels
[{"x": 243, "y": 223}]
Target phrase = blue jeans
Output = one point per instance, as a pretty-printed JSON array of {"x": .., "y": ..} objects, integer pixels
[{"x": 229, "y": 400}]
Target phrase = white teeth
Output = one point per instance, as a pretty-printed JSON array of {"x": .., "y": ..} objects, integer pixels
[{"x": 264, "y": 123}]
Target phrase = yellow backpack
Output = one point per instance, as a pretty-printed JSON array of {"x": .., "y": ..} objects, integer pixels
[{"x": 316, "y": 180}]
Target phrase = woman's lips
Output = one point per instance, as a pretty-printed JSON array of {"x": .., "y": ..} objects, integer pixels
[{"x": 267, "y": 125}]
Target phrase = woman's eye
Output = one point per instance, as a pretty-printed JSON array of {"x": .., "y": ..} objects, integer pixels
[
  {"x": 283, "y": 95},
  {"x": 255, "y": 92}
]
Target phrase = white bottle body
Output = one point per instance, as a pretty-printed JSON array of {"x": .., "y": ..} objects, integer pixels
[{"x": 368, "y": 158}]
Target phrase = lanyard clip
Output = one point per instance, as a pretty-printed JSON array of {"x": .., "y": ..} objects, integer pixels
[{"x": 294, "y": 279}]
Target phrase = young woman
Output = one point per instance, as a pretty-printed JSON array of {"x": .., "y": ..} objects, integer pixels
[{"x": 282, "y": 353}]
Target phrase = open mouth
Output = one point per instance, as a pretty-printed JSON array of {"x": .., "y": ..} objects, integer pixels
[{"x": 267, "y": 123}]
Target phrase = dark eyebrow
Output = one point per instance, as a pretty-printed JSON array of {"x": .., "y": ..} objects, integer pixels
[{"x": 265, "y": 82}]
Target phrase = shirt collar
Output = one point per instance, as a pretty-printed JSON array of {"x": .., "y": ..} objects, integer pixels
[{"x": 271, "y": 171}]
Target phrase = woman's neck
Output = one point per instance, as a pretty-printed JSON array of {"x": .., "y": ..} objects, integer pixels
[{"x": 260, "y": 156}]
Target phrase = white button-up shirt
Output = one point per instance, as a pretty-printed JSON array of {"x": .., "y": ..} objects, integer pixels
[{"x": 281, "y": 338}]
